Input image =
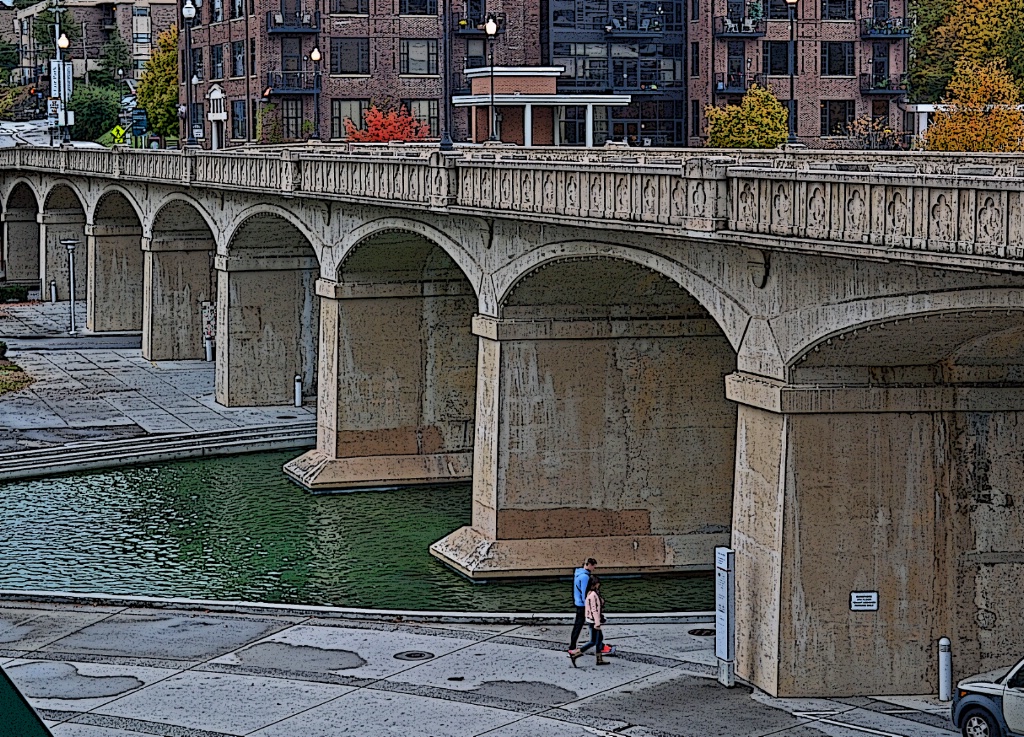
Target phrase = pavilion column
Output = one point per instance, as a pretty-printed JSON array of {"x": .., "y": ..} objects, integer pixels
[
  {"x": 177, "y": 279},
  {"x": 528, "y": 125},
  {"x": 115, "y": 282},
  {"x": 21, "y": 244}
]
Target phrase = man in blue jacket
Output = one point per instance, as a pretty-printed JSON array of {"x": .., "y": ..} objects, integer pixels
[{"x": 579, "y": 596}]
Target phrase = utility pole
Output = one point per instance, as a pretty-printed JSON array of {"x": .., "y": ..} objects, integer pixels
[{"x": 85, "y": 53}]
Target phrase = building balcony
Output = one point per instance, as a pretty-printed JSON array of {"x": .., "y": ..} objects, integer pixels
[
  {"x": 883, "y": 28},
  {"x": 734, "y": 27},
  {"x": 108, "y": 23},
  {"x": 736, "y": 83},
  {"x": 293, "y": 83},
  {"x": 883, "y": 84},
  {"x": 472, "y": 24},
  {"x": 634, "y": 25},
  {"x": 293, "y": 22}
]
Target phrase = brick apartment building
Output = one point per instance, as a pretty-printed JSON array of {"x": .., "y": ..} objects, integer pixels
[
  {"x": 138, "y": 22},
  {"x": 256, "y": 78}
]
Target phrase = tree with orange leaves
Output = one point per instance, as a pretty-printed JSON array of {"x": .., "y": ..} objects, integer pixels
[
  {"x": 981, "y": 111},
  {"x": 381, "y": 127}
]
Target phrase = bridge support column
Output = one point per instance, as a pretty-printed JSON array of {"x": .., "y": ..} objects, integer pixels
[
  {"x": 267, "y": 314},
  {"x": 115, "y": 285},
  {"x": 55, "y": 226},
  {"x": 608, "y": 438},
  {"x": 906, "y": 493},
  {"x": 397, "y": 372},
  {"x": 21, "y": 244},
  {"x": 177, "y": 279}
]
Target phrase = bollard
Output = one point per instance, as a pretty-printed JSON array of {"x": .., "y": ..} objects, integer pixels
[
  {"x": 298, "y": 390},
  {"x": 945, "y": 670},
  {"x": 53, "y": 290},
  {"x": 208, "y": 344}
]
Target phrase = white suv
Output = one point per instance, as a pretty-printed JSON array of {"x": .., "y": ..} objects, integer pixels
[{"x": 991, "y": 704}]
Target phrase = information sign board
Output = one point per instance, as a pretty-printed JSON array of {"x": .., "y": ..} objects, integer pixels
[{"x": 863, "y": 601}]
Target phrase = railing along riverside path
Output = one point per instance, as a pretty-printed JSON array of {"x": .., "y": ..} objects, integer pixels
[{"x": 952, "y": 209}]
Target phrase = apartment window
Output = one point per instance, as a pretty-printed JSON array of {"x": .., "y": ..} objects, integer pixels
[
  {"x": 837, "y": 9},
  {"x": 425, "y": 111},
  {"x": 342, "y": 109},
  {"x": 140, "y": 12},
  {"x": 694, "y": 9},
  {"x": 694, "y": 59},
  {"x": 238, "y": 58},
  {"x": 216, "y": 11},
  {"x": 880, "y": 112},
  {"x": 350, "y": 56},
  {"x": 239, "y": 125},
  {"x": 836, "y": 115},
  {"x": 418, "y": 7},
  {"x": 141, "y": 38},
  {"x": 350, "y": 7},
  {"x": 776, "y": 58},
  {"x": 695, "y": 117},
  {"x": 778, "y": 9},
  {"x": 140, "y": 64},
  {"x": 586, "y": 64},
  {"x": 418, "y": 56},
  {"x": 197, "y": 119},
  {"x": 252, "y": 56},
  {"x": 476, "y": 53},
  {"x": 837, "y": 58},
  {"x": 197, "y": 63},
  {"x": 217, "y": 62},
  {"x": 237, "y": 8},
  {"x": 292, "y": 116}
]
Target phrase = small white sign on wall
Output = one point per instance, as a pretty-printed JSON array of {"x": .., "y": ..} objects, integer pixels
[{"x": 863, "y": 601}]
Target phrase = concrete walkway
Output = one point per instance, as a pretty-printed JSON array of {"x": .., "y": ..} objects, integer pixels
[
  {"x": 100, "y": 388},
  {"x": 101, "y": 671},
  {"x": 39, "y": 319}
]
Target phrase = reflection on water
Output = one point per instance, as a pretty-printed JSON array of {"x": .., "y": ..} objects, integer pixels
[{"x": 237, "y": 528}]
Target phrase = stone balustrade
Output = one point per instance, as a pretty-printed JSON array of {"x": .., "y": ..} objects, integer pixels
[{"x": 933, "y": 206}]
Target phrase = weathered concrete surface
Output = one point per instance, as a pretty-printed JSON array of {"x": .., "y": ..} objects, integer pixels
[
  {"x": 176, "y": 283},
  {"x": 54, "y": 265},
  {"x": 115, "y": 278},
  {"x": 21, "y": 244}
]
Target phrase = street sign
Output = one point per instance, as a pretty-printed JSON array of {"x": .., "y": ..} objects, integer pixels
[
  {"x": 54, "y": 108},
  {"x": 61, "y": 79},
  {"x": 140, "y": 123},
  {"x": 118, "y": 133},
  {"x": 863, "y": 601}
]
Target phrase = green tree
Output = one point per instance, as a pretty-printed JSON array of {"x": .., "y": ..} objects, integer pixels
[
  {"x": 980, "y": 113},
  {"x": 43, "y": 30},
  {"x": 759, "y": 121},
  {"x": 8, "y": 59},
  {"x": 95, "y": 109},
  {"x": 158, "y": 88},
  {"x": 114, "y": 56}
]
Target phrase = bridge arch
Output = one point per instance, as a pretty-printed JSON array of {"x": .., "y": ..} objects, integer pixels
[
  {"x": 268, "y": 313},
  {"x": 20, "y": 258},
  {"x": 179, "y": 207},
  {"x": 271, "y": 214},
  {"x": 116, "y": 264},
  {"x": 126, "y": 198}
]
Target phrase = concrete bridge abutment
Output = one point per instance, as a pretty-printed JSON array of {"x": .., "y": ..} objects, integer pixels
[
  {"x": 115, "y": 277},
  {"x": 177, "y": 279},
  {"x": 21, "y": 243},
  {"x": 54, "y": 266}
]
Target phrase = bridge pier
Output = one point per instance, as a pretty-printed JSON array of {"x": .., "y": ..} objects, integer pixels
[
  {"x": 266, "y": 328},
  {"x": 115, "y": 281},
  {"x": 177, "y": 279},
  {"x": 21, "y": 243},
  {"x": 397, "y": 372},
  {"x": 55, "y": 226}
]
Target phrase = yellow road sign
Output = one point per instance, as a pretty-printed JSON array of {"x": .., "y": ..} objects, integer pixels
[{"x": 118, "y": 133}]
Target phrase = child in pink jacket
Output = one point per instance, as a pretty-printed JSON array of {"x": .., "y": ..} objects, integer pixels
[{"x": 593, "y": 614}]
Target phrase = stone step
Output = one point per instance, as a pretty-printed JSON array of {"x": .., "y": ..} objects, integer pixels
[{"x": 153, "y": 448}]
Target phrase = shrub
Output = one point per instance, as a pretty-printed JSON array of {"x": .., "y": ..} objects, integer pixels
[
  {"x": 13, "y": 293},
  {"x": 759, "y": 121}
]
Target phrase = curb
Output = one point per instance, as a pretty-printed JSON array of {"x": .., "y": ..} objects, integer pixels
[{"x": 372, "y": 615}]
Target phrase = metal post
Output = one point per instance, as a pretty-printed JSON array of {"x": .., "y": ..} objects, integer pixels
[
  {"x": 725, "y": 615},
  {"x": 85, "y": 53},
  {"x": 316, "y": 100},
  {"x": 298, "y": 390},
  {"x": 53, "y": 291},
  {"x": 70, "y": 244},
  {"x": 188, "y": 12},
  {"x": 945, "y": 670},
  {"x": 494, "y": 114},
  {"x": 446, "y": 43},
  {"x": 792, "y": 71}
]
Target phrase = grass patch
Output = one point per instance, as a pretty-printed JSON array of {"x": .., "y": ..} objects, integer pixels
[{"x": 12, "y": 377}]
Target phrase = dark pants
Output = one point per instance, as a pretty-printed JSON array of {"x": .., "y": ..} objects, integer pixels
[
  {"x": 596, "y": 639},
  {"x": 577, "y": 626}
]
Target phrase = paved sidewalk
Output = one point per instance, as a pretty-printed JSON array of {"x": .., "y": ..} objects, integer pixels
[
  {"x": 41, "y": 319},
  {"x": 100, "y": 671}
]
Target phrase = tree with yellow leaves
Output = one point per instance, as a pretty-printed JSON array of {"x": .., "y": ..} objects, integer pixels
[
  {"x": 981, "y": 111},
  {"x": 759, "y": 121}
]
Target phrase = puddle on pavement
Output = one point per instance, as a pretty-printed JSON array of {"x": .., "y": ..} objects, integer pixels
[
  {"x": 283, "y": 656},
  {"x": 63, "y": 681}
]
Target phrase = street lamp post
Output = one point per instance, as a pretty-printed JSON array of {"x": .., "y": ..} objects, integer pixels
[
  {"x": 62, "y": 44},
  {"x": 71, "y": 244},
  {"x": 792, "y": 70},
  {"x": 316, "y": 56},
  {"x": 491, "y": 28},
  {"x": 446, "y": 93},
  {"x": 188, "y": 12}
]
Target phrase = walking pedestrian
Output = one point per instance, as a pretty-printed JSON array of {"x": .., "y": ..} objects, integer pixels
[
  {"x": 579, "y": 595},
  {"x": 595, "y": 618}
]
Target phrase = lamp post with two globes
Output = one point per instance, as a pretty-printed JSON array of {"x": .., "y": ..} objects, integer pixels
[{"x": 792, "y": 70}]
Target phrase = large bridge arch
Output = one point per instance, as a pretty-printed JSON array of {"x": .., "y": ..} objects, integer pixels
[
  {"x": 267, "y": 311},
  {"x": 116, "y": 264},
  {"x": 63, "y": 218},
  {"x": 178, "y": 280},
  {"x": 21, "y": 244},
  {"x": 602, "y": 425},
  {"x": 398, "y": 363}
]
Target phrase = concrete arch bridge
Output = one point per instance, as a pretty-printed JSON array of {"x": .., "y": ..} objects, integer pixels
[{"x": 817, "y": 359}]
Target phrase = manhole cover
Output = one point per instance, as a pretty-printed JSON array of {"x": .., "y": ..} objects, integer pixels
[
  {"x": 702, "y": 633},
  {"x": 413, "y": 655},
  {"x": 287, "y": 417}
]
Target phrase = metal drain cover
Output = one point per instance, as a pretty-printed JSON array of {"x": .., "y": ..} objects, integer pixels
[
  {"x": 287, "y": 417},
  {"x": 413, "y": 655},
  {"x": 702, "y": 633}
]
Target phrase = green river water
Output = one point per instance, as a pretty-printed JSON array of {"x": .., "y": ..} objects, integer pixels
[{"x": 238, "y": 529}]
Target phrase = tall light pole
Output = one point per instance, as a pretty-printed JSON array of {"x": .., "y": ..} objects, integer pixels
[
  {"x": 188, "y": 12},
  {"x": 446, "y": 93},
  {"x": 62, "y": 44},
  {"x": 316, "y": 56},
  {"x": 792, "y": 70},
  {"x": 491, "y": 29},
  {"x": 71, "y": 244}
]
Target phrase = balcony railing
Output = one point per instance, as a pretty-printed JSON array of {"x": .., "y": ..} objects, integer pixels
[
  {"x": 634, "y": 25},
  {"x": 883, "y": 84},
  {"x": 647, "y": 81},
  {"x": 734, "y": 27},
  {"x": 736, "y": 83},
  {"x": 293, "y": 83},
  {"x": 886, "y": 27},
  {"x": 472, "y": 24},
  {"x": 293, "y": 22}
]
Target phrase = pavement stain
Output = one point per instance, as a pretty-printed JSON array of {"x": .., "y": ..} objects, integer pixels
[
  {"x": 49, "y": 680},
  {"x": 285, "y": 656}
]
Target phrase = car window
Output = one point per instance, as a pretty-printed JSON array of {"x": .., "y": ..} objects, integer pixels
[{"x": 1017, "y": 679}]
